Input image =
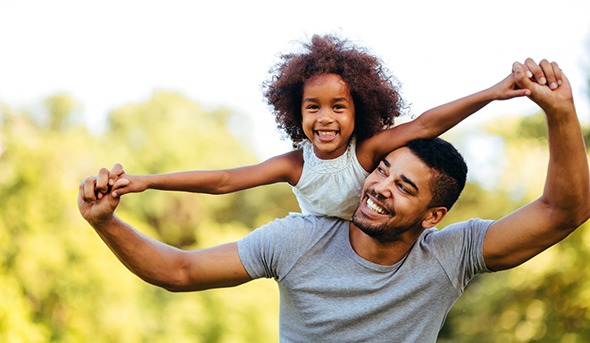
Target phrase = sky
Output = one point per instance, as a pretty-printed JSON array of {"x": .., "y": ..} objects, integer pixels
[{"x": 107, "y": 54}]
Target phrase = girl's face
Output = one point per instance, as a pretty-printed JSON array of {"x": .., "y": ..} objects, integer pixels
[{"x": 327, "y": 112}]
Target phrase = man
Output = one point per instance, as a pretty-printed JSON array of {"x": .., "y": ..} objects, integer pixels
[{"x": 389, "y": 275}]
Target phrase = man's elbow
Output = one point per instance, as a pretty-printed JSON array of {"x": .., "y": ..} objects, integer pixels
[
  {"x": 169, "y": 285},
  {"x": 573, "y": 217},
  {"x": 179, "y": 286},
  {"x": 175, "y": 289},
  {"x": 173, "y": 280},
  {"x": 583, "y": 214}
]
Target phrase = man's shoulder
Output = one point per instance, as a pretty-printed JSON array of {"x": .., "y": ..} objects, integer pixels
[
  {"x": 468, "y": 224},
  {"x": 310, "y": 219},
  {"x": 278, "y": 245},
  {"x": 454, "y": 230},
  {"x": 303, "y": 222}
]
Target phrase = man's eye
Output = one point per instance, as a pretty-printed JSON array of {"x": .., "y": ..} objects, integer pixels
[{"x": 404, "y": 189}]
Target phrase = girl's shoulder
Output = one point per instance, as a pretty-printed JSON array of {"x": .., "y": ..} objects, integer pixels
[
  {"x": 290, "y": 165},
  {"x": 366, "y": 153}
]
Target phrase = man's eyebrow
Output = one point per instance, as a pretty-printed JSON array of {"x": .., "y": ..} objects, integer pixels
[
  {"x": 386, "y": 162},
  {"x": 406, "y": 180}
]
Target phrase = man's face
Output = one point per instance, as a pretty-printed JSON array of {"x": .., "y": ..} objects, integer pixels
[{"x": 395, "y": 197}]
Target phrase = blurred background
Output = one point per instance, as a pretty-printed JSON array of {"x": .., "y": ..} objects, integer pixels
[{"x": 168, "y": 86}]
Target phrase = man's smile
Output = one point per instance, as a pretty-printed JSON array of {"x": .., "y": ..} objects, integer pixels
[{"x": 373, "y": 206}]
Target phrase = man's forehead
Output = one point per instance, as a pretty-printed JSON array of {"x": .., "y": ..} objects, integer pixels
[
  {"x": 400, "y": 152},
  {"x": 404, "y": 159}
]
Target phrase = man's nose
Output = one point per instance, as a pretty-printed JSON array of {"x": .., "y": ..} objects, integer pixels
[{"x": 383, "y": 189}]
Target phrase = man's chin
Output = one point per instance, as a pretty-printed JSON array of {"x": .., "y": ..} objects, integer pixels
[
  {"x": 381, "y": 232},
  {"x": 364, "y": 224}
]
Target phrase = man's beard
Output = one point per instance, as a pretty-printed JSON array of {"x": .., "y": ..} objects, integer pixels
[{"x": 382, "y": 232}]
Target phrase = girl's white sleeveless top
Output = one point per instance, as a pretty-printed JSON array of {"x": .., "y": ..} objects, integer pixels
[{"x": 330, "y": 187}]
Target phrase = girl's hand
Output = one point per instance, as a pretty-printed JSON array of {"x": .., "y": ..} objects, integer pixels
[
  {"x": 508, "y": 89},
  {"x": 121, "y": 183}
]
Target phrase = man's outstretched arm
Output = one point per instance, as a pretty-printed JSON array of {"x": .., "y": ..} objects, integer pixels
[
  {"x": 565, "y": 202},
  {"x": 153, "y": 261}
]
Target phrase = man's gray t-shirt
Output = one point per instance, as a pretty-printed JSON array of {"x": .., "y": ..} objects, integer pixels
[{"x": 330, "y": 294}]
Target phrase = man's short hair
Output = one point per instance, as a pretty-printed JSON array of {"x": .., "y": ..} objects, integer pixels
[{"x": 449, "y": 169}]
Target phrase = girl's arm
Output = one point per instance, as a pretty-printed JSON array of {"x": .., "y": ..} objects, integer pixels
[
  {"x": 153, "y": 261},
  {"x": 434, "y": 122},
  {"x": 282, "y": 168}
]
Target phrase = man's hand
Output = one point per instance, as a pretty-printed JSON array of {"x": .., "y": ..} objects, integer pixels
[
  {"x": 95, "y": 201},
  {"x": 549, "y": 87}
]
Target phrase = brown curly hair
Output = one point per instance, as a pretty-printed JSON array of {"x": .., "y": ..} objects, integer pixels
[{"x": 374, "y": 90}]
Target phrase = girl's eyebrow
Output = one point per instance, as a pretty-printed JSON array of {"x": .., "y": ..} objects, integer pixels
[{"x": 338, "y": 99}]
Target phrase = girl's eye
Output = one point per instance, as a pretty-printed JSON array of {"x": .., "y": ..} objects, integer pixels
[{"x": 339, "y": 107}]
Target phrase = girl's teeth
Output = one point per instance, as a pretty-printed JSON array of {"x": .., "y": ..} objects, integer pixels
[{"x": 326, "y": 133}]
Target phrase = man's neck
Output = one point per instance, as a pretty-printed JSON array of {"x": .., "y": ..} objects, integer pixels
[{"x": 383, "y": 253}]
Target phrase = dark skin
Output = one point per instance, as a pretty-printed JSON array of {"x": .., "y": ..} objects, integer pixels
[
  {"x": 513, "y": 239},
  {"x": 327, "y": 105},
  {"x": 395, "y": 200}
]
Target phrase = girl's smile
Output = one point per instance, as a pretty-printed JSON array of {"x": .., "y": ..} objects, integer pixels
[{"x": 327, "y": 112}]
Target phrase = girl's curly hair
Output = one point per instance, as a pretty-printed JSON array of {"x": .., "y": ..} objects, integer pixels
[{"x": 374, "y": 90}]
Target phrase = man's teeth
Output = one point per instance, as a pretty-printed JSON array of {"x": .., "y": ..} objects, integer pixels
[{"x": 375, "y": 207}]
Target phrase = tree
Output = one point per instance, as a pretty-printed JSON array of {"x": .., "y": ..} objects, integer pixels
[{"x": 63, "y": 284}]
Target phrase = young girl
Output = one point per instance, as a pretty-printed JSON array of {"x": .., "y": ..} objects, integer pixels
[{"x": 337, "y": 103}]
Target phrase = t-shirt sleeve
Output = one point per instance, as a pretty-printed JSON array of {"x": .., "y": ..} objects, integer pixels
[
  {"x": 459, "y": 249},
  {"x": 272, "y": 250}
]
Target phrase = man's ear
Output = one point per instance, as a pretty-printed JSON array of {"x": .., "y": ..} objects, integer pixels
[{"x": 434, "y": 216}]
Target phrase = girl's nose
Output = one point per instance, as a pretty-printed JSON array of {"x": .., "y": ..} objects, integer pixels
[{"x": 325, "y": 117}]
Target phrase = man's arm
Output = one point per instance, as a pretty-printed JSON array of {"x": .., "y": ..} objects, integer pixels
[
  {"x": 153, "y": 261},
  {"x": 564, "y": 204}
]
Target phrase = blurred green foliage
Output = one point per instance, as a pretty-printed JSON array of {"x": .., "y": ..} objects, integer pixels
[
  {"x": 60, "y": 283},
  {"x": 547, "y": 299}
]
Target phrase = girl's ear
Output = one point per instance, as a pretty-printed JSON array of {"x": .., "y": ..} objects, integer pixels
[{"x": 434, "y": 216}]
